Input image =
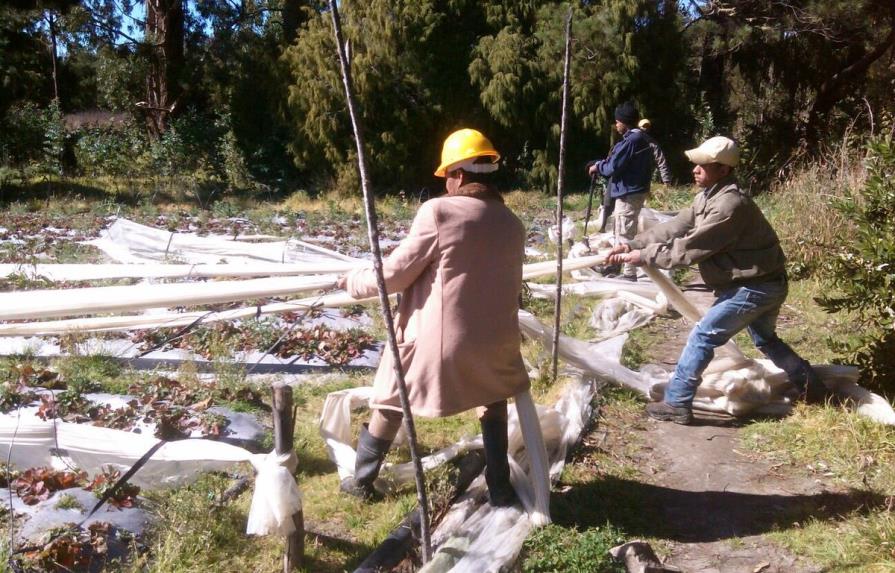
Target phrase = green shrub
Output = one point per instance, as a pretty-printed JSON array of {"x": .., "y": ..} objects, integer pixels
[
  {"x": 863, "y": 269},
  {"x": 114, "y": 151},
  {"x": 54, "y": 140},
  {"x": 191, "y": 146},
  {"x": 33, "y": 138}
]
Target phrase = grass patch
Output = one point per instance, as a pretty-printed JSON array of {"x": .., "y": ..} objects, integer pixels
[
  {"x": 91, "y": 373},
  {"x": 801, "y": 212},
  {"x": 637, "y": 350},
  {"x": 555, "y": 548},
  {"x": 190, "y": 525},
  {"x": 593, "y": 505},
  {"x": 839, "y": 445},
  {"x": 68, "y": 501},
  {"x": 670, "y": 197}
]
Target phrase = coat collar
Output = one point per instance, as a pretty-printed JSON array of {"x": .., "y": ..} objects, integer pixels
[
  {"x": 719, "y": 185},
  {"x": 479, "y": 191}
]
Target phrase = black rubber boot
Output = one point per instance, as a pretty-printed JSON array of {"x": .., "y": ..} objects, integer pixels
[
  {"x": 497, "y": 468},
  {"x": 800, "y": 373},
  {"x": 814, "y": 390},
  {"x": 371, "y": 452}
]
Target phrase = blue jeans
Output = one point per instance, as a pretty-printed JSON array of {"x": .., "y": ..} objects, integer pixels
[{"x": 754, "y": 307}]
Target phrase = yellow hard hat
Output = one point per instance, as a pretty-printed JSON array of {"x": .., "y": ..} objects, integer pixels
[
  {"x": 465, "y": 144},
  {"x": 644, "y": 124}
]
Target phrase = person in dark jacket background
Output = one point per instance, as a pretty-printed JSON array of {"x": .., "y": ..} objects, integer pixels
[
  {"x": 629, "y": 169},
  {"x": 740, "y": 258}
]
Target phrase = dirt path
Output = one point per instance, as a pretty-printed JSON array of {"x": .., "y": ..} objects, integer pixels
[{"x": 712, "y": 503}]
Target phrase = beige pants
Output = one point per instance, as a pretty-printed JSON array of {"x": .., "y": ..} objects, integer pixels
[
  {"x": 627, "y": 210},
  {"x": 384, "y": 424}
]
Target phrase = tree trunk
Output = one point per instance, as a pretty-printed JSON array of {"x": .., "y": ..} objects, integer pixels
[
  {"x": 54, "y": 52},
  {"x": 294, "y": 16},
  {"x": 164, "y": 36}
]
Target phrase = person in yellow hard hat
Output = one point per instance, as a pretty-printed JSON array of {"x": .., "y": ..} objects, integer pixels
[
  {"x": 646, "y": 127},
  {"x": 459, "y": 271}
]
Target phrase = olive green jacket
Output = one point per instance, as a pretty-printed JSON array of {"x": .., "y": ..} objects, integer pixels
[{"x": 724, "y": 232}]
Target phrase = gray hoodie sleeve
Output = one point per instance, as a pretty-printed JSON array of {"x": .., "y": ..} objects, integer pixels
[{"x": 661, "y": 164}]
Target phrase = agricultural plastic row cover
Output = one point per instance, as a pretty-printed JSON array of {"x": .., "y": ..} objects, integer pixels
[{"x": 28, "y": 441}]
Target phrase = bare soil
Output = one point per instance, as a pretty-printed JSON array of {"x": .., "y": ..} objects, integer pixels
[{"x": 706, "y": 502}]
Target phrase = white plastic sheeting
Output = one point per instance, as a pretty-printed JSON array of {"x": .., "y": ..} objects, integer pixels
[
  {"x": 48, "y": 303},
  {"x": 129, "y": 242},
  {"x": 172, "y": 319},
  {"x": 648, "y": 218},
  {"x": 143, "y": 296},
  {"x": 732, "y": 383},
  {"x": 110, "y": 271},
  {"x": 569, "y": 230},
  {"x": 532, "y": 488},
  {"x": 475, "y": 536},
  {"x": 30, "y": 442}
]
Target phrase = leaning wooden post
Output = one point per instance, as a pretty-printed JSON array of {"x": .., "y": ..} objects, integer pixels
[
  {"x": 283, "y": 433},
  {"x": 559, "y": 187},
  {"x": 373, "y": 232}
]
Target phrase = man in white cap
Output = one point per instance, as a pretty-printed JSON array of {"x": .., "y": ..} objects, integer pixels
[{"x": 740, "y": 258}]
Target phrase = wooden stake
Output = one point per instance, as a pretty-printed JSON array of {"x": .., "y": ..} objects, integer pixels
[
  {"x": 559, "y": 188},
  {"x": 373, "y": 232},
  {"x": 283, "y": 432}
]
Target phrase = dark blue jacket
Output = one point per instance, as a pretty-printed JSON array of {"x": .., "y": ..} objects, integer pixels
[{"x": 629, "y": 166}]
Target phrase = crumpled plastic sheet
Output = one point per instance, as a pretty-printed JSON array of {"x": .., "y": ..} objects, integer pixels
[
  {"x": 625, "y": 312},
  {"x": 732, "y": 383},
  {"x": 473, "y": 535},
  {"x": 569, "y": 230},
  {"x": 31, "y": 442},
  {"x": 95, "y": 300},
  {"x": 129, "y": 242},
  {"x": 108, "y": 271},
  {"x": 532, "y": 487},
  {"x": 276, "y": 497},
  {"x": 594, "y": 359},
  {"x": 596, "y": 287}
]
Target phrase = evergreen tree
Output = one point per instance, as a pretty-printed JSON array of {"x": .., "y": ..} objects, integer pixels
[{"x": 394, "y": 69}]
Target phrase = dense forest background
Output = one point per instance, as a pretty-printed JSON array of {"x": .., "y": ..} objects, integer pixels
[{"x": 245, "y": 93}]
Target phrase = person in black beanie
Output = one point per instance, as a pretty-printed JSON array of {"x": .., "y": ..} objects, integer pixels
[{"x": 629, "y": 169}]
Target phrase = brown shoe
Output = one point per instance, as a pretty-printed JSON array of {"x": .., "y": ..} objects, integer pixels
[{"x": 668, "y": 413}]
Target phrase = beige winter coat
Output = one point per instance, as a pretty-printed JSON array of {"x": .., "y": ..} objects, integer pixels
[{"x": 460, "y": 274}]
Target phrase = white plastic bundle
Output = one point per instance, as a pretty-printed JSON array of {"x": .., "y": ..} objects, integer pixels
[
  {"x": 276, "y": 498},
  {"x": 569, "y": 230}
]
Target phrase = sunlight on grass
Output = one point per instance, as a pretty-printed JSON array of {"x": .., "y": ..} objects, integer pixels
[{"x": 857, "y": 453}]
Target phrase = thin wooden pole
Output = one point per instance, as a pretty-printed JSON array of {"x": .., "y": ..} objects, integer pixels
[
  {"x": 283, "y": 433},
  {"x": 373, "y": 232},
  {"x": 559, "y": 188}
]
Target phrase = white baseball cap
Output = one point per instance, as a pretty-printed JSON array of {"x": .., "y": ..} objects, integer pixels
[{"x": 717, "y": 149}]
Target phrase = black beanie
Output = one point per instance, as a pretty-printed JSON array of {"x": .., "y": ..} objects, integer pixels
[{"x": 627, "y": 114}]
